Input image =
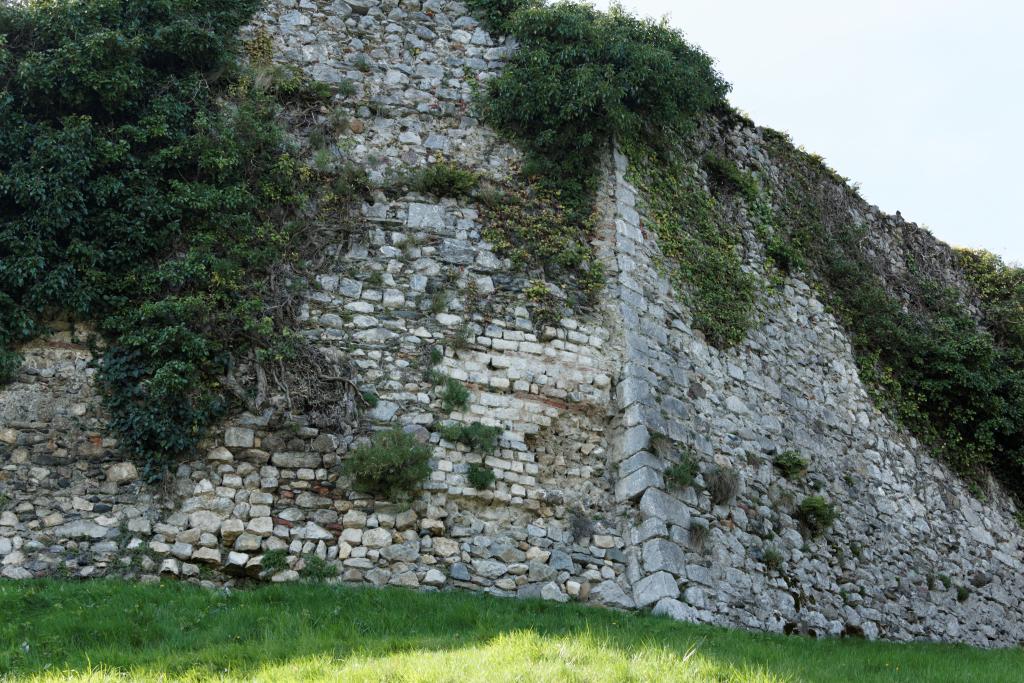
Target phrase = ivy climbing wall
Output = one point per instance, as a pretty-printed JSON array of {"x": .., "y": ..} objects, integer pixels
[{"x": 598, "y": 411}]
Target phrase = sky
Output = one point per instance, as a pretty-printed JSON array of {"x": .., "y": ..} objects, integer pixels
[{"x": 920, "y": 102}]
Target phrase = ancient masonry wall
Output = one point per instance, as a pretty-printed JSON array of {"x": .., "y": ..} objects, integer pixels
[{"x": 592, "y": 411}]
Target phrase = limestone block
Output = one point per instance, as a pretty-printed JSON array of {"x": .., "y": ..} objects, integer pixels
[{"x": 653, "y": 588}]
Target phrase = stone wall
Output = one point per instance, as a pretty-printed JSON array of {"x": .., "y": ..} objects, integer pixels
[
  {"x": 592, "y": 411},
  {"x": 912, "y": 555}
]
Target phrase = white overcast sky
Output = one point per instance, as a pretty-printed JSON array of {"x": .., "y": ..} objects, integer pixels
[{"x": 921, "y": 102}]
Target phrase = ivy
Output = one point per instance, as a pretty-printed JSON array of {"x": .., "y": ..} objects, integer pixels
[
  {"x": 578, "y": 79},
  {"x": 581, "y": 77},
  {"x": 146, "y": 185},
  {"x": 701, "y": 245},
  {"x": 957, "y": 385}
]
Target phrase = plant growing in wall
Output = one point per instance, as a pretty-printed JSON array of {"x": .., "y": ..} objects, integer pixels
[
  {"x": 816, "y": 514},
  {"x": 480, "y": 476},
  {"x": 790, "y": 464},
  {"x": 681, "y": 474},
  {"x": 477, "y": 436},
  {"x": 454, "y": 396},
  {"x": 391, "y": 466},
  {"x": 723, "y": 484},
  {"x": 146, "y": 185}
]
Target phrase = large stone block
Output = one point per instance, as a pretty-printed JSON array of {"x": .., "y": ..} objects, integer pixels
[
  {"x": 658, "y": 504},
  {"x": 653, "y": 588},
  {"x": 297, "y": 460},
  {"x": 663, "y": 555},
  {"x": 611, "y": 594},
  {"x": 635, "y": 484}
]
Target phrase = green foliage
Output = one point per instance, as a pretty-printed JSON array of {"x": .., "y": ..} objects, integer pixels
[
  {"x": 10, "y": 365},
  {"x": 681, "y": 474},
  {"x": 371, "y": 399},
  {"x": 962, "y": 593},
  {"x": 477, "y": 436},
  {"x": 773, "y": 559},
  {"x": 816, "y": 514},
  {"x": 443, "y": 179},
  {"x": 495, "y": 14},
  {"x": 957, "y": 385},
  {"x": 103, "y": 630},
  {"x": 315, "y": 568},
  {"x": 274, "y": 561},
  {"x": 454, "y": 396},
  {"x": 1000, "y": 290},
  {"x": 723, "y": 484},
  {"x": 130, "y": 196},
  {"x": 581, "y": 77},
  {"x": 725, "y": 174},
  {"x": 480, "y": 476},
  {"x": 790, "y": 464},
  {"x": 702, "y": 247},
  {"x": 537, "y": 232},
  {"x": 439, "y": 301},
  {"x": 392, "y": 466}
]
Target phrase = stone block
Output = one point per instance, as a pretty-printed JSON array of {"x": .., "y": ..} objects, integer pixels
[
  {"x": 670, "y": 607},
  {"x": 653, "y": 588},
  {"x": 239, "y": 437},
  {"x": 636, "y": 483},
  {"x": 660, "y": 554},
  {"x": 611, "y": 594},
  {"x": 658, "y": 504}
]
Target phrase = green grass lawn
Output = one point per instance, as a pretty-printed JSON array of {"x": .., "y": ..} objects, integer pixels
[{"x": 104, "y": 630}]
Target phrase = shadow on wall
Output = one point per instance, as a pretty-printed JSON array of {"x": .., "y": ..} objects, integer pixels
[{"x": 102, "y": 630}]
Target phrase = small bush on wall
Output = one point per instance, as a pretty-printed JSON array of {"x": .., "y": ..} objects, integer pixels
[
  {"x": 581, "y": 76},
  {"x": 392, "y": 466},
  {"x": 816, "y": 514},
  {"x": 480, "y": 476}
]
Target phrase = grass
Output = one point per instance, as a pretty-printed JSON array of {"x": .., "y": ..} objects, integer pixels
[{"x": 107, "y": 630}]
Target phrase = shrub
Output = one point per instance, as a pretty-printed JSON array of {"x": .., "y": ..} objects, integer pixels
[
  {"x": 773, "y": 559},
  {"x": 480, "y": 476},
  {"x": 723, "y": 172},
  {"x": 439, "y": 301},
  {"x": 962, "y": 593},
  {"x": 443, "y": 179},
  {"x": 581, "y": 526},
  {"x": 274, "y": 561},
  {"x": 315, "y": 568},
  {"x": 680, "y": 475},
  {"x": 391, "y": 466},
  {"x": 816, "y": 514},
  {"x": 454, "y": 396},
  {"x": 495, "y": 14},
  {"x": 581, "y": 77},
  {"x": 723, "y": 484},
  {"x": 478, "y": 437},
  {"x": 790, "y": 464}
]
